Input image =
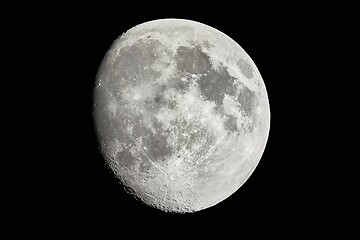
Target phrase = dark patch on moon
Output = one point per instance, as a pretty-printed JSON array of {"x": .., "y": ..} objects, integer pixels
[
  {"x": 178, "y": 84},
  {"x": 139, "y": 128},
  {"x": 192, "y": 60},
  {"x": 230, "y": 123},
  {"x": 207, "y": 44},
  {"x": 245, "y": 68},
  {"x": 154, "y": 103},
  {"x": 158, "y": 100},
  {"x": 190, "y": 140},
  {"x": 124, "y": 158},
  {"x": 145, "y": 51},
  {"x": 215, "y": 84},
  {"x": 157, "y": 146},
  {"x": 156, "y": 143},
  {"x": 127, "y": 64},
  {"x": 131, "y": 62},
  {"x": 171, "y": 104},
  {"x": 247, "y": 100}
]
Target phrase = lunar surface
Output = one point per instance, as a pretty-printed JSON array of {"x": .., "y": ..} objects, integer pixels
[{"x": 181, "y": 114}]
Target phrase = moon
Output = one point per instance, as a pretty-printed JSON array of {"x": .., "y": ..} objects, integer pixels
[{"x": 181, "y": 114}]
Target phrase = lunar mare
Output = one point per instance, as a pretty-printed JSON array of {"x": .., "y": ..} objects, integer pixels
[{"x": 181, "y": 114}]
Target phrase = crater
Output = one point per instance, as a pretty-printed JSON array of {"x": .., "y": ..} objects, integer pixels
[
  {"x": 245, "y": 68},
  {"x": 145, "y": 166}
]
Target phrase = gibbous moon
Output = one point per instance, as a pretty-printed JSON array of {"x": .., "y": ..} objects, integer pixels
[{"x": 181, "y": 114}]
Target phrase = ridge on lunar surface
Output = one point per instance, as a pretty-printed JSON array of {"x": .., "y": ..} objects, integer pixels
[{"x": 181, "y": 113}]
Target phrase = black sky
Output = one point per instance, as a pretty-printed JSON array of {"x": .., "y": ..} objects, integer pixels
[{"x": 305, "y": 184}]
